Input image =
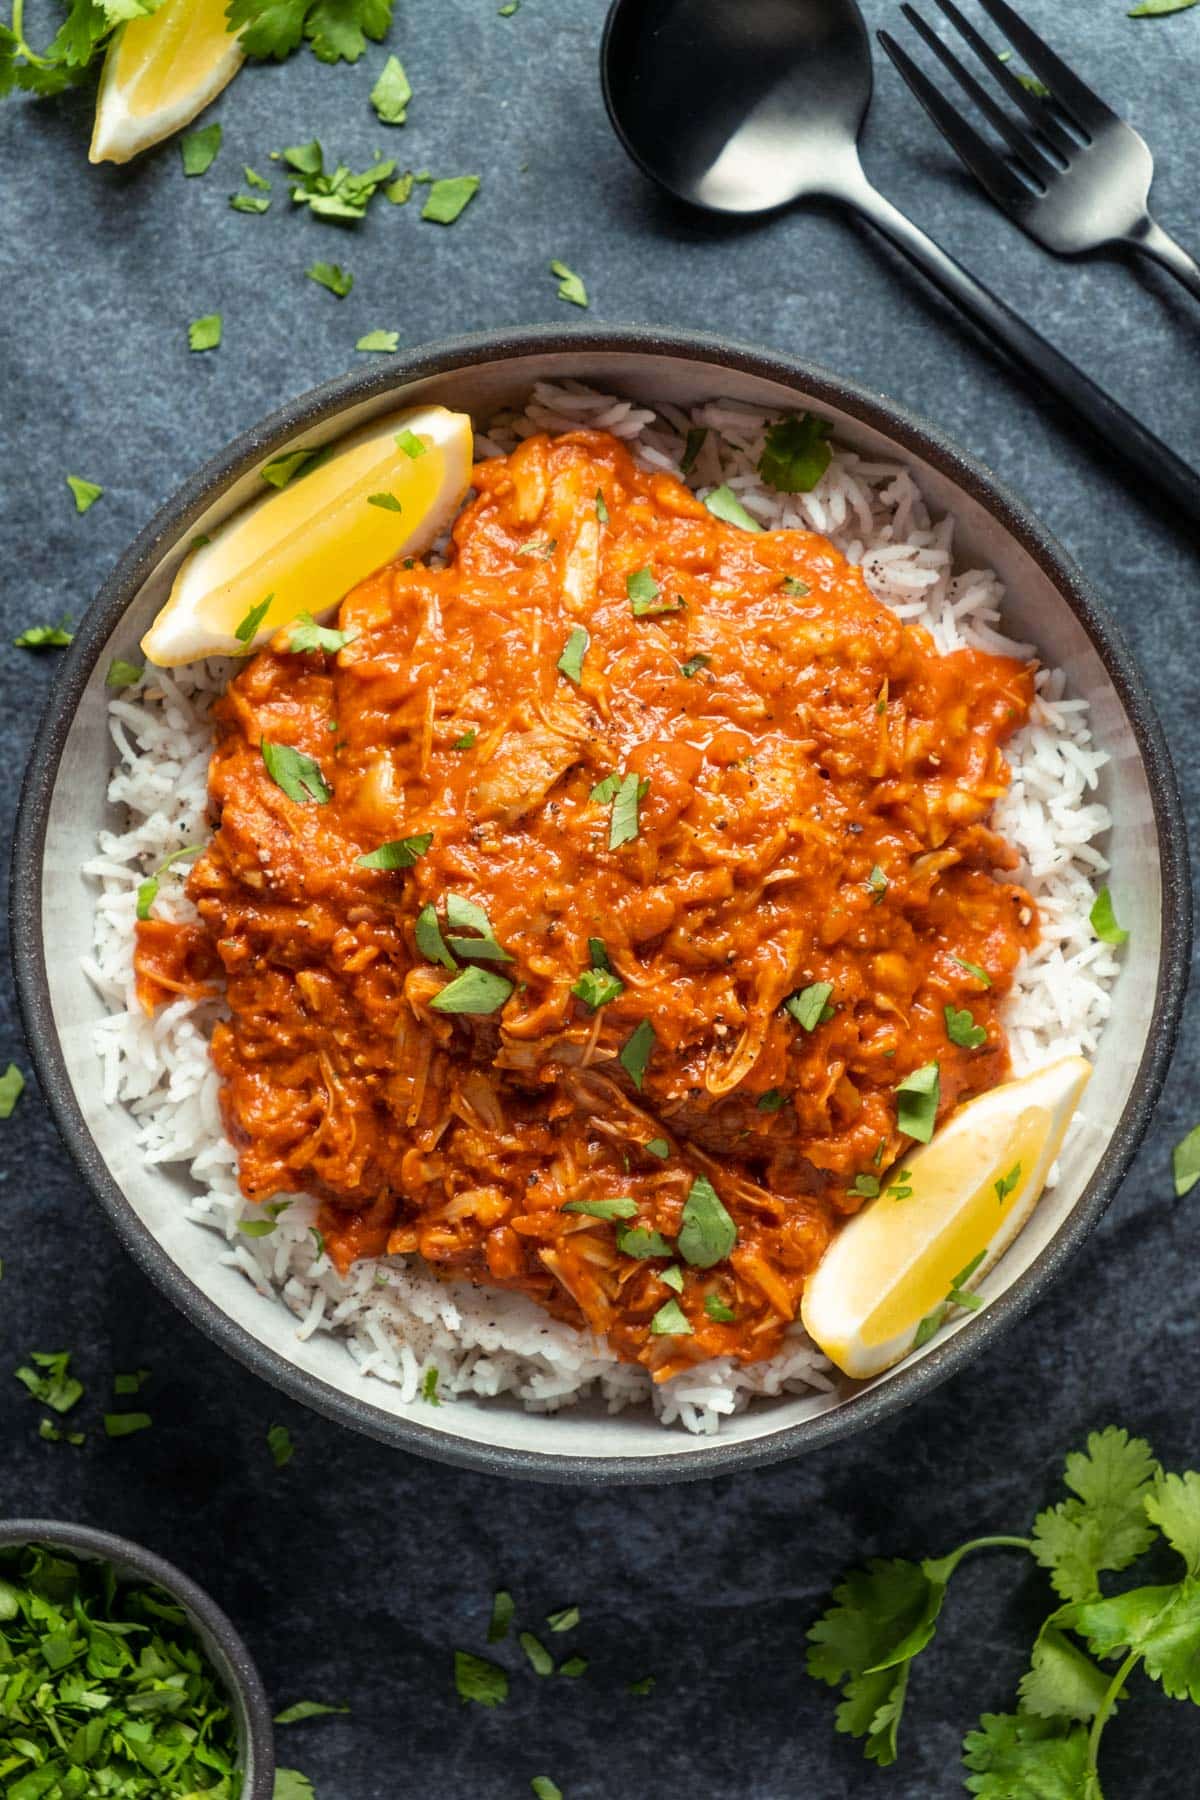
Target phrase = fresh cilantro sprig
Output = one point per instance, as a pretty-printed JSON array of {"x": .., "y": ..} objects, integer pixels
[{"x": 1119, "y": 1504}]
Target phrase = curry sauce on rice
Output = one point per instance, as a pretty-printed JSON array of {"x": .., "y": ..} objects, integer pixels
[{"x": 583, "y": 906}]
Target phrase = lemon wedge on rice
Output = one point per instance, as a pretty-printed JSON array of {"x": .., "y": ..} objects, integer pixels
[
  {"x": 387, "y": 490},
  {"x": 894, "y": 1264},
  {"x": 160, "y": 70}
]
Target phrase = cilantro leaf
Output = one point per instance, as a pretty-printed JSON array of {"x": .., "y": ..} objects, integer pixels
[
  {"x": 1038, "y": 1759},
  {"x": 119, "y": 1425},
  {"x": 724, "y": 504},
  {"x": 430, "y": 941},
  {"x": 479, "y": 1680},
  {"x": 391, "y": 94},
  {"x": 795, "y": 453},
  {"x": 883, "y": 1616},
  {"x": 298, "y": 775},
  {"x": 602, "y": 1209},
  {"x": 51, "y": 1382},
  {"x": 570, "y": 285},
  {"x": 540, "y": 1659},
  {"x": 1161, "y": 1624},
  {"x": 306, "y": 1709},
  {"x": 1174, "y": 1506},
  {"x": 305, "y": 634},
  {"x": 541, "y": 1787},
  {"x": 641, "y": 1242},
  {"x": 474, "y": 991},
  {"x": 1185, "y": 1162},
  {"x": 250, "y": 203},
  {"x": 918, "y": 1097},
  {"x": 636, "y": 1053},
  {"x": 204, "y": 333},
  {"x": 570, "y": 663},
  {"x": 290, "y": 1784},
  {"x": 962, "y": 1030},
  {"x": 86, "y": 492},
  {"x": 401, "y": 853},
  {"x": 338, "y": 29},
  {"x": 502, "y": 1616},
  {"x": 1105, "y": 1525},
  {"x": 623, "y": 825},
  {"x": 387, "y": 342},
  {"x": 706, "y": 1232},
  {"x": 671, "y": 1321},
  {"x": 43, "y": 637},
  {"x": 331, "y": 276},
  {"x": 1062, "y": 1681},
  {"x": 596, "y": 987},
  {"x": 810, "y": 1007},
  {"x": 447, "y": 199},
  {"x": 1158, "y": 9},
  {"x": 198, "y": 149},
  {"x": 12, "y": 1086},
  {"x": 279, "y": 1443},
  {"x": 1103, "y": 919}
]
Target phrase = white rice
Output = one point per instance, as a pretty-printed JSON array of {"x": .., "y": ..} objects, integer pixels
[{"x": 397, "y": 1319}]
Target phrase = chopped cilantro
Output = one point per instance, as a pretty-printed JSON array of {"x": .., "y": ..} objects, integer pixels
[
  {"x": 717, "y": 1310},
  {"x": 724, "y": 504},
  {"x": 706, "y": 1232},
  {"x": 429, "y": 1386},
  {"x": 198, "y": 149},
  {"x": 641, "y": 1687},
  {"x": 306, "y": 1709},
  {"x": 248, "y": 628},
  {"x": 464, "y": 915},
  {"x": 282, "y": 469},
  {"x": 1103, "y": 920},
  {"x": 400, "y": 853},
  {"x": 12, "y": 1086},
  {"x": 566, "y": 1619},
  {"x": 673, "y": 1278},
  {"x": 877, "y": 881},
  {"x": 399, "y": 192},
  {"x": 332, "y": 276},
  {"x": 799, "y": 590},
  {"x": 694, "y": 664},
  {"x": 44, "y": 637},
  {"x": 570, "y": 285},
  {"x": 250, "y": 203},
  {"x": 474, "y": 991},
  {"x": 387, "y": 502},
  {"x": 290, "y": 1784},
  {"x": 479, "y": 1680},
  {"x": 107, "y": 1688},
  {"x": 1185, "y": 1159},
  {"x": 51, "y": 1434},
  {"x": 341, "y": 194},
  {"x": 958, "y": 1295},
  {"x": 254, "y": 179},
  {"x": 391, "y": 94},
  {"x": 796, "y": 453},
  {"x": 602, "y": 1209},
  {"x": 772, "y": 1101},
  {"x": 670, "y": 1321},
  {"x": 636, "y": 1053},
  {"x": 962, "y": 1030},
  {"x": 305, "y": 635},
  {"x": 279, "y": 1443},
  {"x": 51, "y": 1382},
  {"x": 447, "y": 198},
  {"x": 810, "y": 1007},
  {"x": 385, "y": 342},
  {"x": 570, "y": 663},
  {"x": 573, "y": 1667},
  {"x": 864, "y": 1187},
  {"x": 596, "y": 987},
  {"x": 465, "y": 741},
  {"x": 430, "y": 941},
  {"x": 131, "y": 1383},
  {"x": 1147, "y": 9},
  {"x": 204, "y": 333},
  {"x": 918, "y": 1096},
  {"x": 540, "y": 1659},
  {"x": 119, "y": 1425},
  {"x": 692, "y": 446},
  {"x": 410, "y": 443},
  {"x": 623, "y": 825},
  {"x": 973, "y": 969},
  {"x": 601, "y": 508},
  {"x": 1007, "y": 1183},
  {"x": 658, "y": 1147},
  {"x": 86, "y": 492},
  {"x": 298, "y": 775},
  {"x": 541, "y": 1786},
  {"x": 642, "y": 590},
  {"x": 337, "y": 29},
  {"x": 502, "y": 1616},
  {"x": 605, "y": 789},
  {"x": 641, "y": 1242}
]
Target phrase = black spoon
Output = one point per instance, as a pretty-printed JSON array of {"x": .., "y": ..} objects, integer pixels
[{"x": 739, "y": 106}]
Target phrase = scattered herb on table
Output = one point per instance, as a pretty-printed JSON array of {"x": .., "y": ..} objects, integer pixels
[
  {"x": 51, "y": 1382},
  {"x": 12, "y": 1086},
  {"x": 447, "y": 199},
  {"x": 333, "y": 194},
  {"x": 540, "y": 1659},
  {"x": 119, "y": 1425},
  {"x": 795, "y": 453},
  {"x": 541, "y": 1787},
  {"x": 479, "y": 1680},
  {"x": 279, "y": 1443},
  {"x": 306, "y": 1709},
  {"x": 250, "y": 203},
  {"x": 570, "y": 285},
  {"x": 502, "y": 1616},
  {"x": 565, "y": 1619},
  {"x": 391, "y": 94},
  {"x": 1120, "y": 1504},
  {"x": 86, "y": 492},
  {"x": 106, "y": 1688},
  {"x": 1158, "y": 9},
  {"x": 1185, "y": 1159},
  {"x": 385, "y": 342},
  {"x": 198, "y": 149},
  {"x": 44, "y": 637},
  {"x": 332, "y": 276},
  {"x": 131, "y": 1383},
  {"x": 204, "y": 333}
]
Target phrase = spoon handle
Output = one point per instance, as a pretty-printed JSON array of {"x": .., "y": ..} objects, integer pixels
[{"x": 1120, "y": 432}]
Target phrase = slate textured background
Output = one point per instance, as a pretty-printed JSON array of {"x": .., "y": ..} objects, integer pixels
[{"x": 354, "y": 1572}]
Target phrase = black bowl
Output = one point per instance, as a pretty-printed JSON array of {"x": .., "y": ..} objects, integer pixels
[
  {"x": 218, "y": 1638},
  {"x": 1051, "y": 605}
]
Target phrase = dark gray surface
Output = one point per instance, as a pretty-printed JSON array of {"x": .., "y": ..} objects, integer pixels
[{"x": 355, "y": 1572}]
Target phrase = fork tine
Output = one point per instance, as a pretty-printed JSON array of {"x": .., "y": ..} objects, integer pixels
[
  {"x": 1018, "y": 140},
  {"x": 1040, "y": 116},
  {"x": 989, "y": 168},
  {"x": 1074, "y": 96}
]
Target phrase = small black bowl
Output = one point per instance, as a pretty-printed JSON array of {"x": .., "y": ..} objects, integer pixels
[{"x": 218, "y": 1638}]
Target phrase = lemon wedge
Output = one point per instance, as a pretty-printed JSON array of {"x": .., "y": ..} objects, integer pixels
[
  {"x": 384, "y": 491},
  {"x": 159, "y": 72},
  {"x": 895, "y": 1263}
]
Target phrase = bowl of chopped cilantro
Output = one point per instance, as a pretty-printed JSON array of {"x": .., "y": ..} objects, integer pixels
[{"x": 121, "y": 1676}]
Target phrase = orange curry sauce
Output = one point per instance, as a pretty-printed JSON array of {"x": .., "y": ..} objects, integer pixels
[{"x": 815, "y": 785}]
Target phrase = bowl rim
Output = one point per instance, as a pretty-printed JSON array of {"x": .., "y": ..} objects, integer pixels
[
  {"x": 251, "y": 1708},
  {"x": 912, "y": 435}
]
